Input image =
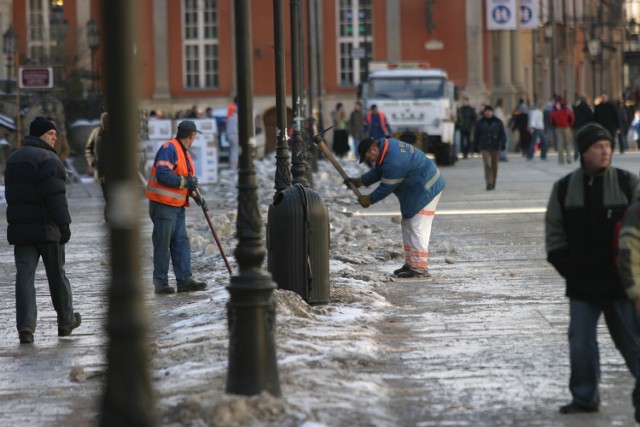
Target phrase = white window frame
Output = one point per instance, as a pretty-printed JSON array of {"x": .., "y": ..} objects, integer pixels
[
  {"x": 42, "y": 45},
  {"x": 207, "y": 47},
  {"x": 355, "y": 40}
]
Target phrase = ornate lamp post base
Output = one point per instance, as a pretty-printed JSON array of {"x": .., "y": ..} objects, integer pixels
[{"x": 251, "y": 313}]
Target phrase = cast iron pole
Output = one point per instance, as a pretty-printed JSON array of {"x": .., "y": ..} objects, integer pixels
[
  {"x": 318, "y": 63},
  {"x": 128, "y": 397},
  {"x": 251, "y": 310},
  {"x": 283, "y": 172},
  {"x": 299, "y": 156}
]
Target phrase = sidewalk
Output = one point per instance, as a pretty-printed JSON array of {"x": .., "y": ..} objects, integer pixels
[{"x": 481, "y": 343}]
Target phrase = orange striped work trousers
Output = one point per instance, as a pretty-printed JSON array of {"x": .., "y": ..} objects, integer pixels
[{"x": 416, "y": 232}]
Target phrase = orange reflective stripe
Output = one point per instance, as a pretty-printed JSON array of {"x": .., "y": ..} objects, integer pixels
[
  {"x": 171, "y": 196},
  {"x": 425, "y": 212},
  {"x": 384, "y": 151}
]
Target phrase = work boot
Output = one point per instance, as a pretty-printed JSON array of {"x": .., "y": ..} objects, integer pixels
[
  {"x": 404, "y": 267},
  {"x": 65, "y": 331},
  {"x": 164, "y": 288},
  {"x": 410, "y": 274},
  {"x": 26, "y": 337},
  {"x": 190, "y": 285},
  {"x": 576, "y": 408}
]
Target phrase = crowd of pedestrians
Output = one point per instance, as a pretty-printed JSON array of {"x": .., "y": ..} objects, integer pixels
[{"x": 539, "y": 127}]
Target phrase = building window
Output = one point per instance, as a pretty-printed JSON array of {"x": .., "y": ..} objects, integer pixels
[
  {"x": 38, "y": 36},
  {"x": 200, "y": 35},
  {"x": 46, "y": 31},
  {"x": 355, "y": 41}
]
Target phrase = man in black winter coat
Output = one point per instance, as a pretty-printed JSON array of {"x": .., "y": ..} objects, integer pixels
[
  {"x": 606, "y": 114},
  {"x": 583, "y": 113},
  {"x": 38, "y": 218}
]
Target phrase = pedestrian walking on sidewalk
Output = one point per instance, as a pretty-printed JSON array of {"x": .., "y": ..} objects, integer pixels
[
  {"x": 562, "y": 119},
  {"x": 94, "y": 152},
  {"x": 584, "y": 212},
  {"x": 536, "y": 127},
  {"x": 38, "y": 218},
  {"x": 171, "y": 183},
  {"x": 490, "y": 137},
  {"x": 629, "y": 268},
  {"x": 404, "y": 170}
]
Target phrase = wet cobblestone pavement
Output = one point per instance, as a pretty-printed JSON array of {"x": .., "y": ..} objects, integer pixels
[{"x": 481, "y": 343}]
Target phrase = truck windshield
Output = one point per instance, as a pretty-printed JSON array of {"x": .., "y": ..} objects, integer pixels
[{"x": 407, "y": 88}]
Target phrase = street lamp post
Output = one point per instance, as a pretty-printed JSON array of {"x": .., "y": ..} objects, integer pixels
[
  {"x": 10, "y": 47},
  {"x": 594, "y": 46},
  {"x": 93, "y": 40},
  {"x": 9, "y": 40}
]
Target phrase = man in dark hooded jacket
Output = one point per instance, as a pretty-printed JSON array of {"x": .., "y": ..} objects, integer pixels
[{"x": 38, "y": 218}]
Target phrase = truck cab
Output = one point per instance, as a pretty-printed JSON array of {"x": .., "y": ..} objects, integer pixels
[{"x": 418, "y": 102}]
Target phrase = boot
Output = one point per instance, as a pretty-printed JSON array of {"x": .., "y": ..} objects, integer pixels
[{"x": 190, "y": 285}]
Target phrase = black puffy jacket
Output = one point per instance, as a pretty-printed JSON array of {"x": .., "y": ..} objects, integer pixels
[{"x": 36, "y": 194}]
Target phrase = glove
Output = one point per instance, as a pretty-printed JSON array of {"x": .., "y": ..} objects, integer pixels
[
  {"x": 365, "y": 201},
  {"x": 191, "y": 182},
  {"x": 355, "y": 181},
  {"x": 200, "y": 201},
  {"x": 65, "y": 233}
]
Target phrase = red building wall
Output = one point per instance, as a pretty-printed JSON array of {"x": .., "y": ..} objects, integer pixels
[{"x": 449, "y": 18}]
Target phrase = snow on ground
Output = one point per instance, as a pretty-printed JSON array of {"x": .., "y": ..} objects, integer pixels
[{"x": 325, "y": 353}]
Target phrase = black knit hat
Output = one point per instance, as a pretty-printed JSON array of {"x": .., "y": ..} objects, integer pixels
[
  {"x": 589, "y": 134},
  {"x": 39, "y": 126}
]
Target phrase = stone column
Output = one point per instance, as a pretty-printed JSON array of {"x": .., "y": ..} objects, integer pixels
[
  {"x": 160, "y": 50},
  {"x": 475, "y": 89},
  {"x": 393, "y": 31},
  {"x": 504, "y": 88}
]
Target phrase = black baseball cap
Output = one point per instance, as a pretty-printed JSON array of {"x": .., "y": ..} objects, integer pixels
[{"x": 188, "y": 126}]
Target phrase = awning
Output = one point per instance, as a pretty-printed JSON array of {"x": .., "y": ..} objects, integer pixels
[{"x": 7, "y": 122}]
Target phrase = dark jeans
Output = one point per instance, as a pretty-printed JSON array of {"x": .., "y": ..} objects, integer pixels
[
  {"x": 26, "y": 259},
  {"x": 465, "y": 142},
  {"x": 544, "y": 144},
  {"x": 622, "y": 322},
  {"x": 170, "y": 242}
]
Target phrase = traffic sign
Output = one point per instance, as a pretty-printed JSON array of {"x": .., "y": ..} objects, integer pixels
[{"x": 36, "y": 77}]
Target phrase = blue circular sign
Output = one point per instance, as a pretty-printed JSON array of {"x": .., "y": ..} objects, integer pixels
[
  {"x": 526, "y": 14},
  {"x": 501, "y": 14}
]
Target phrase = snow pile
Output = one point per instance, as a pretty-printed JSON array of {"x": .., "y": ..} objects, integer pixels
[{"x": 326, "y": 354}]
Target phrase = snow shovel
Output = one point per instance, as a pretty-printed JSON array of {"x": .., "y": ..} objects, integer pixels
[
  {"x": 329, "y": 155},
  {"x": 200, "y": 202}
]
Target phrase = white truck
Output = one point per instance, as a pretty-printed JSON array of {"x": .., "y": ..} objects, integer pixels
[{"x": 419, "y": 105}]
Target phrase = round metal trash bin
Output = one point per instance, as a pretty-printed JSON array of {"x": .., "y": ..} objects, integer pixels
[{"x": 298, "y": 243}]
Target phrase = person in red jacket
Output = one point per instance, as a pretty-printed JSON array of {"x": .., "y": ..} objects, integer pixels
[{"x": 562, "y": 118}]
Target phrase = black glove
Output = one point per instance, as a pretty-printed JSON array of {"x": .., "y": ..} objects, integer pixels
[
  {"x": 355, "y": 181},
  {"x": 191, "y": 182},
  {"x": 365, "y": 201},
  {"x": 200, "y": 201},
  {"x": 65, "y": 233}
]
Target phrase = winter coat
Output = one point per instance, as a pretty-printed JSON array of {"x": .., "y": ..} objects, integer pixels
[
  {"x": 583, "y": 216},
  {"x": 356, "y": 125},
  {"x": 583, "y": 115},
  {"x": 562, "y": 117},
  {"x": 407, "y": 172},
  {"x": 377, "y": 125},
  {"x": 466, "y": 118},
  {"x": 490, "y": 134},
  {"x": 629, "y": 249},
  {"x": 94, "y": 152},
  {"x": 37, "y": 210},
  {"x": 606, "y": 114}
]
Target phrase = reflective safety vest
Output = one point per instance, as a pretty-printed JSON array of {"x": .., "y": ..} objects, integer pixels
[{"x": 172, "y": 196}]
